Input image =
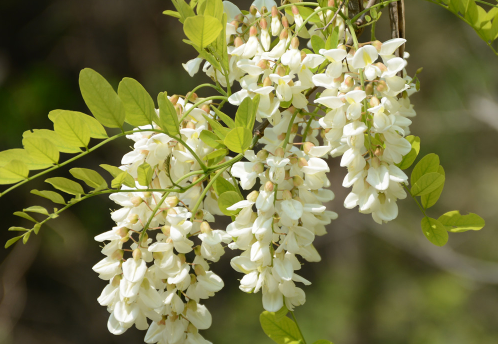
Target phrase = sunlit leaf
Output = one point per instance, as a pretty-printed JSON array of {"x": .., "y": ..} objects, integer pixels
[
  {"x": 282, "y": 331},
  {"x": 13, "y": 172},
  {"x": 428, "y": 164},
  {"x": 71, "y": 128},
  {"x": 435, "y": 231},
  {"x": 456, "y": 223},
  {"x": 41, "y": 149},
  {"x": 66, "y": 185},
  {"x": 168, "y": 118},
  {"x": 51, "y": 195},
  {"x": 226, "y": 200},
  {"x": 238, "y": 140},
  {"x": 202, "y": 30},
  {"x": 138, "y": 104},
  {"x": 90, "y": 177}
]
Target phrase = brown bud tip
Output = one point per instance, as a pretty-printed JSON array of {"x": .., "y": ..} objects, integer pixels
[
  {"x": 295, "y": 43},
  {"x": 302, "y": 162},
  {"x": 377, "y": 45},
  {"x": 348, "y": 81},
  {"x": 274, "y": 11},
  {"x": 253, "y": 10},
  {"x": 205, "y": 108},
  {"x": 281, "y": 71},
  {"x": 199, "y": 270},
  {"x": 286, "y": 195},
  {"x": 379, "y": 152},
  {"x": 262, "y": 154},
  {"x": 258, "y": 167},
  {"x": 295, "y": 10},
  {"x": 253, "y": 31},
  {"x": 263, "y": 24},
  {"x": 238, "y": 42},
  {"x": 297, "y": 181},
  {"x": 285, "y": 23},
  {"x": 123, "y": 232},
  {"x": 263, "y": 64},
  {"x": 253, "y": 196},
  {"x": 381, "y": 86},
  {"x": 267, "y": 82},
  {"x": 374, "y": 101},
  {"x": 369, "y": 89},
  {"x": 205, "y": 227},
  {"x": 166, "y": 230},
  {"x": 174, "y": 99},
  {"x": 294, "y": 128}
]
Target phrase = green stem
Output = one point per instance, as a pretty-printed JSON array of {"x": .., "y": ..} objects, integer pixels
[
  {"x": 219, "y": 89},
  {"x": 206, "y": 189},
  {"x": 289, "y": 129},
  {"x": 158, "y": 205},
  {"x": 300, "y": 332},
  {"x": 204, "y": 168},
  {"x": 416, "y": 200},
  {"x": 112, "y": 138},
  {"x": 196, "y": 105},
  {"x": 356, "y": 17}
]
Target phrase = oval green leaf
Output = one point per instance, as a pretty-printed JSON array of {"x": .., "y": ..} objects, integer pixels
[
  {"x": 168, "y": 118},
  {"x": 428, "y": 164},
  {"x": 282, "y": 331},
  {"x": 51, "y": 195},
  {"x": 41, "y": 149},
  {"x": 457, "y": 223},
  {"x": 72, "y": 129},
  {"x": 427, "y": 183},
  {"x": 238, "y": 140},
  {"x": 101, "y": 99},
  {"x": 90, "y": 177},
  {"x": 431, "y": 198},
  {"x": 13, "y": 172},
  {"x": 138, "y": 104},
  {"x": 435, "y": 231},
  {"x": 226, "y": 200},
  {"x": 66, "y": 185},
  {"x": 202, "y": 30}
]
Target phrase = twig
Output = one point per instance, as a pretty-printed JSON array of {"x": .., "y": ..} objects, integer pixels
[{"x": 333, "y": 18}]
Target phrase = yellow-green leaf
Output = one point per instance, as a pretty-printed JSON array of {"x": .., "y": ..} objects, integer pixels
[
  {"x": 435, "y": 231},
  {"x": 71, "y": 128},
  {"x": 12, "y": 241},
  {"x": 210, "y": 139},
  {"x": 51, "y": 195},
  {"x": 36, "y": 209},
  {"x": 202, "y": 30},
  {"x": 101, "y": 99},
  {"x": 66, "y": 185},
  {"x": 21, "y": 155},
  {"x": 138, "y": 104},
  {"x": 144, "y": 172},
  {"x": 13, "y": 172},
  {"x": 282, "y": 331},
  {"x": 428, "y": 164},
  {"x": 41, "y": 149},
  {"x": 61, "y": 145},
  {"x": 226, "y": 200},
  {"x": 90, "y": 177},
  {"x": 412, "y": 155},
  {"x": 238, "y": 140},
  {"x": 431, "y": 198},
  {"x": 123, "y": 178},
  {"x": 168, "y": 118},
  {"x": 457, "y": 223},
  {"x": 427, "y": 183}
]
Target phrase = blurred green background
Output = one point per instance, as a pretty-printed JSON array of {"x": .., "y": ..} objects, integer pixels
[{"x": 375, "y": 284}]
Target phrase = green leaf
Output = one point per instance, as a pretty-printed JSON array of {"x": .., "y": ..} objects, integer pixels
[
  {"x": 218, "y": 129},
  {"x": 41, "y": 149},
  {"x": 66, "y": 185},
  {"x": 123, "y": 178},
  {"x": 238, "y": 139},
  {"x": 127, "y": 179},
  {"x": 213, "y": 8},
  {"x": 172, "y": 14},
  {"x": 168, "y": 119},
  {"x": 202, "y": 30},
  {"x": 183, "y": 9},
  {"x": 206, "y": 56},
  {"x": 412, "y": 155},
  {"x": 282, "y": 312},
  {"x": 91, "y": 178},
  {"x": 215, "y": 154},
  {"x": 431, "y": 198},
  {"x": 323, "y": 341},
  {"x": 144, "y": 174},
  {"x": 36, "y": 228},
  {"x": 60, "y": 144},
  {"x": 210, "y": 139},
  {"x": 224, "y": 117},
  {"x": 97, "y": 131},
  {"x": 305, "y": 12},
  {"x": 226, "y": 200},
  {"x": 101, "y": 99},
  {"x": 220, "y": 44},
  {"x": 428, "y": 164},
  {"x": 333, "y": 39},
  {"x": 12, "y": 241},
  {"x": 427, "y": 183},
  {"x": 71, "y": 128},
  {"x": 37, "y": 209},
  {"x": 13, "y": 172},
  {"x": 25, "y": 216},
  {"x": 457, "y": 223},
  {"x": 20, "y": 154},
  {"x": 18, "y": 229},
  {"x": 317, "y": 43},
  {"x": 435, "y": 231},
  {"x": 221, "y": 185},
  {"x": 246, "y": 113},
  {"x": 51, "y": 195},
  {"x": 138, "y": 104},
  {"x": 25, "y": 237},
  {"x": 283, "y": 331}
]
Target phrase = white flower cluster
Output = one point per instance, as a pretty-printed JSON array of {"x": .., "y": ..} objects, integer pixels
[
  {"x": 364, "y": 95},
  {"x": 157, "y": 281}
]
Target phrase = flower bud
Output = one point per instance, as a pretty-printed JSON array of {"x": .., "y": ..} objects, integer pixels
[
  {"x": 381, "y": 86},
  {"x": 331, "y": 3},
  {"x": 206, "y": 108},
  {"x": 116, "y": 279},
  {"x": 286, "y": 195},
  {"x": 279, "y": 152},
  {"x": 269, "y": 186},
  {"x": 263, "y": 64},
  {"x": 179, "y": 109},
  {"x": 258, "y": 167},
  {"x": 174, "y": 99},
  {"x": 281, "y": 70},
  {"x": 253, "y": 31},
  {"x": 123, "y": 232},
  {"x": 172, "y": 201},
  {"x": 125, "y": 239},
  {"x": 374, "y": 101},
  {"x": 192, "y": 97},
  {"x": 375, "y": 162},
  {"x": 294, "y": 43},
  {"x": 302, "y": 162},
  {"x": 303, "y": 55},
  {"x": 294, "y": 128},
  {"x": 137, "y": 254},
  {"x": 281, "y": 137},
  {"x": 253, "y": 196},
  {"x": 133, "y": 218},
  {"x": 197, "y": 250},
  {"x": 199, "y": 270},
  {"x": 381, "y": 66},
  {"x": 419, "y": 70},
  {"x": 235, "y": 23},
  {"x": 193, "y": 279},
  {"x": 192, "y": 305},
  {"x": 274, "y": 11},
  {"x": 297, "y": 181},
  {"x": 145, "y": 284},
  {"x": 293, "y": 160},
  {"x": 262, "y": 154},
  {"x": 307, "y": 147},
  {"x": 199, "y": 215},
  {"x": 205, "y": 228},
  {"x": 349, "y": 81},
  {"x": 263, "y": 24},
  {"x": 369, "y": 89},
  {"x": 172, "y": 212},
  {"x": 136, "y": 201},
  {"x": 379, "y": 152},
  {"x": 285, "y": 23},
  {"x": 238, "y": 42},
  {"x": 377, "y": 45},
  {"x": 190, "y": 125}
]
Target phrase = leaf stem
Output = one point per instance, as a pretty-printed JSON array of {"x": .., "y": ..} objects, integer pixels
[
  {"x": 300, "y": 332},
  {"x": 196, "y": 105}
]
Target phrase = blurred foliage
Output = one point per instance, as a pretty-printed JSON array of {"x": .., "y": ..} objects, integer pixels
[{"x": 375, "y": 284}]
